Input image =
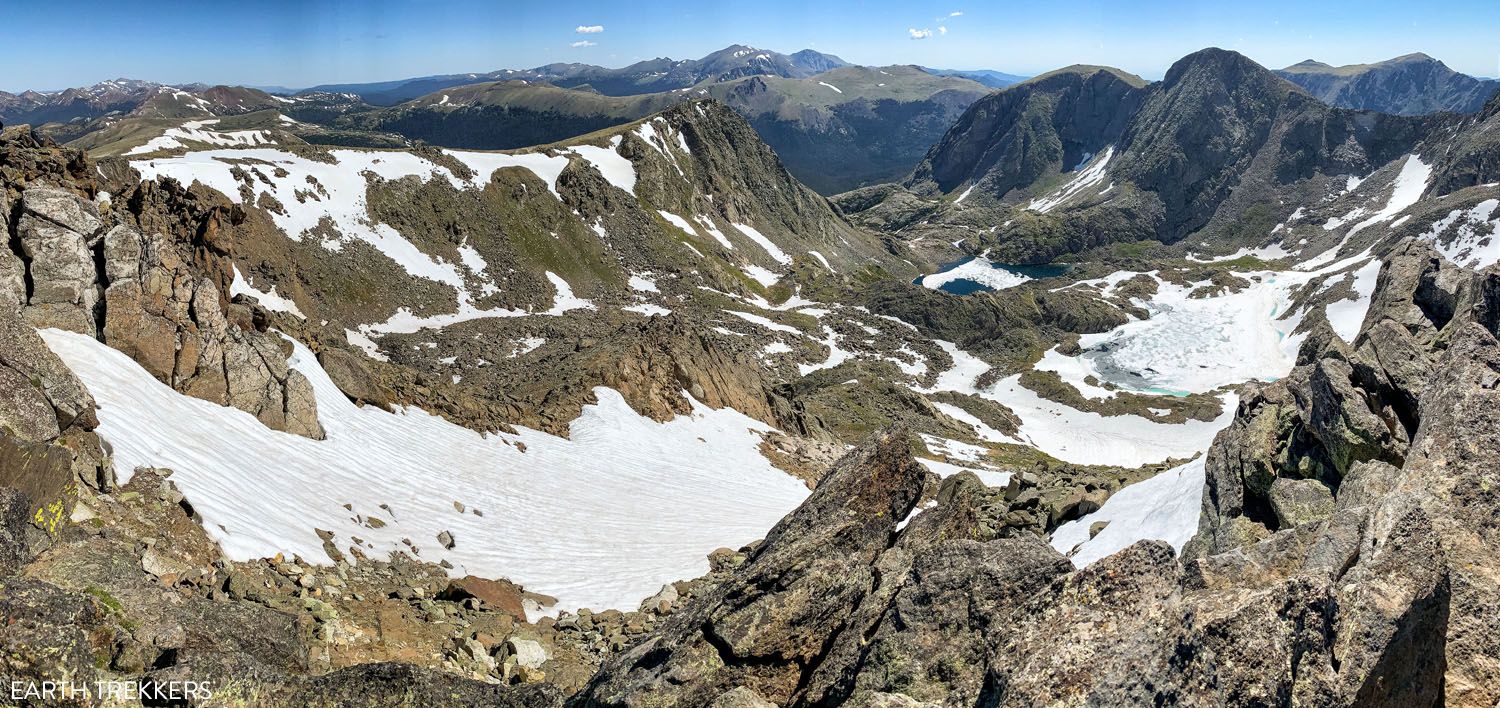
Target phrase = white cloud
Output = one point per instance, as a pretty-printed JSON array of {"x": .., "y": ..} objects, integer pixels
[
  {"x": 583, "y": 43},
  {"x": 589, "y": 29},
  {"x": 942, "y": 29},
  {"x": 919, "y": 33},
  {"x": 956, "y": 14}
]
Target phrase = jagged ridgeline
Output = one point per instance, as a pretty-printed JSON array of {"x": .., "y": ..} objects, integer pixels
[
  {"x": 1221, "y": 149},
  {"x": 461, "y": 426},
  {"x": 836, "y": 126}
]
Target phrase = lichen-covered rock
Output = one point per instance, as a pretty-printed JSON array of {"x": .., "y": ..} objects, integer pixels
[
  {"x": 63, "y": 208},
  {"x": 1297, "y": 502}
]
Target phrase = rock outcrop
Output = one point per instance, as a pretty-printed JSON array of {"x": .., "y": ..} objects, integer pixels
[
  {"x": 145, "y": 273},
  {"x": 47, "y": 443},
  {"x": 1345, "y": 557},
  {"x": 170, "y": 320}
]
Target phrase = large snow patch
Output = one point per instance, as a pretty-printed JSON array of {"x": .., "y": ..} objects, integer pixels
[{"x": 599, "y": 520}]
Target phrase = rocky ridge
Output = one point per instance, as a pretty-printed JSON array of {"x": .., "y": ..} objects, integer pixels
[
  {"x": 80, "y": 259},
  {"x": 1413, "y": 84},
  {"x": 1340, "y": 559}
]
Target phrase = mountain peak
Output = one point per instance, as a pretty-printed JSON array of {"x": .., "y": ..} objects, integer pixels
[
  {"x": 1309, "y": 64},
  {"x": 1224, "y": 65},
  {"x": 1412, "y": 58},
  {"x": 816, "y": 62}
]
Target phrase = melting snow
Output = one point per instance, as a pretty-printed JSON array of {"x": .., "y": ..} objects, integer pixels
[
  {"x": 640, "y": 283},
  {"x": 336, "y": 193},
  {"x": 194, "y": 131},
  {"x": 765, "y": 243},
  {"x": 617, "y": 170},
  {"x": 765, "y": 277},
  {"x": 1087, "y": 178},
  {"x": 599, "y": 519},
  {"x": 977, "y": 270},
  {"x": 1475, "y": 242},
  {"x": 1347, "y": 315},
  {"x": 270, "y": 300},
  {"x": 647, "y": 309},
  {"x": 1164, "y": 507}
]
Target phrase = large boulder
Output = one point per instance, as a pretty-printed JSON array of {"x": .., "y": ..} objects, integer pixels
[
  {"x": 766, "y": 627},
  {"x": 63, "y": 208},
  {"x": 349, "y": 372},
  {"x": 1297, "y": 502}
]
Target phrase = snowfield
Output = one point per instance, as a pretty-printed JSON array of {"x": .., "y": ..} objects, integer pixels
[
  {"x": 1164, "y": 507},
  {"x": 600, "y": 519}
]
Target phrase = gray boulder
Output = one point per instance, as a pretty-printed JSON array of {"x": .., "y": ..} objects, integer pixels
[
  {"x": 63, "y": 208},
  {"x": 1300, "y": 501}
]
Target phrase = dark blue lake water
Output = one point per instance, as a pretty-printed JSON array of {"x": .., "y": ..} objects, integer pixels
[{"x": 965, "y": 286}]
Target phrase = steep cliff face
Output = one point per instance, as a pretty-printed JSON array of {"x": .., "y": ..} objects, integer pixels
[
  {"x": 81, "y": 260},
  {"x": 1048, "y": 124},
  {"x": 1219, "y": 122},
  {"x": 1414, "y": 84}
]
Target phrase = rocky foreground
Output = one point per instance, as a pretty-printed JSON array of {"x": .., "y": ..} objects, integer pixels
[{"x": 1345, "y": 557}]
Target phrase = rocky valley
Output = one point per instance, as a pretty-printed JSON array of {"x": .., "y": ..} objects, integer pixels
[{"x": 755, "y": 380}]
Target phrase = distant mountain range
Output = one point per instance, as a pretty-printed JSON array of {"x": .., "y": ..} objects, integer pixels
[
  {"x": 835, "y": 131},
  {"x": 992, "y": 79},
  {"x": 1414, "y": 84},
  {"x": 836, "y": 126},
  {"x": 649, "y": 76}
]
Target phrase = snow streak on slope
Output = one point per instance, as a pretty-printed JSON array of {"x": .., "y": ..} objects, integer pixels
[
  {"x": 602, "y": 519},
  {"x": 765, "y": 243},
  {"x": 1164, "y": 507},
  {"x": 1091, "y": 175},
  {"x": 194, "y": 131}
]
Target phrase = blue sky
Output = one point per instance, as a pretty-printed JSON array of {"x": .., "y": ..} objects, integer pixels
[{"x": 57, "y": 43}]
